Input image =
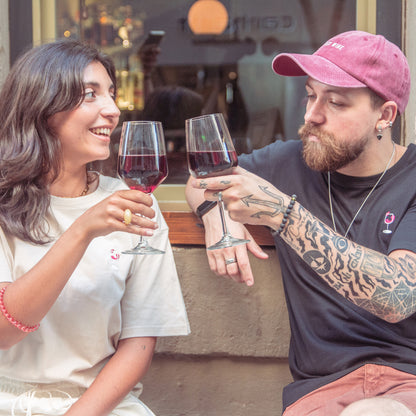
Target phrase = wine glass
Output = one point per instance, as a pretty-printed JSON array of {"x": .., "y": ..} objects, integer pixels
[
  {"x": 211, "y": 152},
  {"x": 142, "y": 164}
]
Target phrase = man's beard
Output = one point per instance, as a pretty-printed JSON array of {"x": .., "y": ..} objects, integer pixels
[{"x": 328, "y": 154}]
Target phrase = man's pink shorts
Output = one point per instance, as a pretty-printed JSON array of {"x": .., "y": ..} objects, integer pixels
[{"x": 370, "y": 380}]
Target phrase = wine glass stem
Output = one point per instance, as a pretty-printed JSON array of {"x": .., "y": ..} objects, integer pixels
[
  {"x": 141, "y": 241},
  {"x": 221, "y": 207}
]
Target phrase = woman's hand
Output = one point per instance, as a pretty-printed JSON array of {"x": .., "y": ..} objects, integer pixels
[{"x": 108, "y": 215}]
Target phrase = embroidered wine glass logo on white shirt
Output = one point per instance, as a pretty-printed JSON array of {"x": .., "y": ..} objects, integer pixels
[{"x": 115, "y": 254}]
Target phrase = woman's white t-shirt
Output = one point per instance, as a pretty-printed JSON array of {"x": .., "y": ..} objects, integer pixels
[{"x": 110, "y": 296}]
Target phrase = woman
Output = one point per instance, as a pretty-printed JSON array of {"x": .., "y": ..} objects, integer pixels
[{"x": 79, "y": 320}]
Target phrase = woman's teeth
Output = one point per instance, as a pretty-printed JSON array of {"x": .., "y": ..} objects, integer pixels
[{"x": 101, "y": 131}]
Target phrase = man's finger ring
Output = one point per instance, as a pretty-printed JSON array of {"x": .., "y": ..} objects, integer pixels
[
  {"x": 230, "y": 261},
  {"x": 127, "y": 216}
]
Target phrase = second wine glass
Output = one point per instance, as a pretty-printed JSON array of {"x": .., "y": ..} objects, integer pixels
[
  {"x": 211, "y": 152},
  {"x": 142, "y": 164}
]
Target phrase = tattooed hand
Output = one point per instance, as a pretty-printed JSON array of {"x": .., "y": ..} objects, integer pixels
[
  {"x": 248, "y": 198},
  {"x": 240, "y": 270}
]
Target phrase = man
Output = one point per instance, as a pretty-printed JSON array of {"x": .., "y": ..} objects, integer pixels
[{"x": 342, "y": 204}]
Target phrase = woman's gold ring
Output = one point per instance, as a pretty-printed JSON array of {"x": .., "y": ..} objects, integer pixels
[{"x": 127, "y": 216}]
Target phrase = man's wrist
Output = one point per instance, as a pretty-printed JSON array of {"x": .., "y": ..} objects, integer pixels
[
  {"x": 205, "y": 207},
  {"x": 285, "y": 216}
]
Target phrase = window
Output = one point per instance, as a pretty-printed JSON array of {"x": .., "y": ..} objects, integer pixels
[{"x": 231, "y": 71}]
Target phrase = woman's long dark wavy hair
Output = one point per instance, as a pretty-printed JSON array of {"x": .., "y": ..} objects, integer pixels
[{"x": 44, "y": 81}]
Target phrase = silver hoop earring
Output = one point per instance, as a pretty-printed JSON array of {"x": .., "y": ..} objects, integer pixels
[{"x": 390, "y": 124}]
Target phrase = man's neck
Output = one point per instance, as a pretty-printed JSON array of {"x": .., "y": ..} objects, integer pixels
[{"x": 373, "y": 160}]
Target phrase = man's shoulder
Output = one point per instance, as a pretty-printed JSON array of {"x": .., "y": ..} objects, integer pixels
[
  {"x": 291, "y": 145},
  {"x": 411, "y": 150},
  {"x": 278, "y": 149}
]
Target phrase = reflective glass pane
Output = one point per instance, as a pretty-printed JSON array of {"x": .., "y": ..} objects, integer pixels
[{"x": 229, "y": 72}]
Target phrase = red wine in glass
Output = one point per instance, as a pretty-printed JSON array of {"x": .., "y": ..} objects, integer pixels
[
  {"x": 142, "y": 164},
  {"x": 211, "y": 152},
  {"x": 210, "y": 163},
  {"x": 143, "y": 172}
]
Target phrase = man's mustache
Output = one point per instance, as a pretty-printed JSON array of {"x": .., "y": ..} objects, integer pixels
[{"x": 306, "y": 130}]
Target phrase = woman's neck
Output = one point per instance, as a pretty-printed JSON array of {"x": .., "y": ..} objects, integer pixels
[{"x": 73, "y": 185}]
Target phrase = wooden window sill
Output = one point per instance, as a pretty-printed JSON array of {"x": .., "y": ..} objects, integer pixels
[{"x": 186, "y": 229}]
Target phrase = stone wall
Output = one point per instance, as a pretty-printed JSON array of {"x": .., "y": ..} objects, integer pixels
[{"x": 234, "y": 363}]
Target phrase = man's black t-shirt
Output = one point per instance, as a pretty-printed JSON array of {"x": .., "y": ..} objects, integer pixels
[{"x": 330, "y": 335}]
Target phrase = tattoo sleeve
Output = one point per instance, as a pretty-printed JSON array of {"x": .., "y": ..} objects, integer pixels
[{"x": 384, "y": 286}]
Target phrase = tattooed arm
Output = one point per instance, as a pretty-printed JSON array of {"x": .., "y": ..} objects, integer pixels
[{"x": 383, "y": 285}]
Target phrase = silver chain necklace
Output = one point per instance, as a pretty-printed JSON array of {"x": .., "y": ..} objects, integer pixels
[{"x": 365, "y": 199}]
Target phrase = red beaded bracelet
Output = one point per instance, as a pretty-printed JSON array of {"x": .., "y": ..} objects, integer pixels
[{"x": 13, "y": 321}]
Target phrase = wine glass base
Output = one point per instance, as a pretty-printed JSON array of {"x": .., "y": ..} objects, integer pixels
[
  {"x": 227, "y": 241},
  {"x": 143, "y": 250}
]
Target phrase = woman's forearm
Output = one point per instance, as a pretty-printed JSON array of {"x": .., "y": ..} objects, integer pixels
[
  {"x": 118, "y": 377},
  {"x": 29, "y": 298}
]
